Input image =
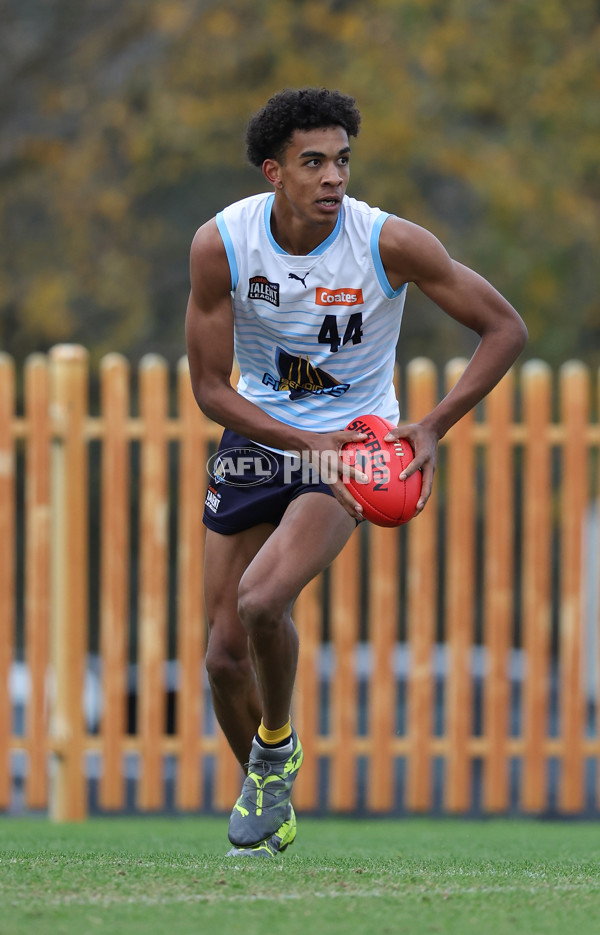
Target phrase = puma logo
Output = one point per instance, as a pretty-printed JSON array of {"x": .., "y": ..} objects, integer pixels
[{"x": 299, "y": 278}]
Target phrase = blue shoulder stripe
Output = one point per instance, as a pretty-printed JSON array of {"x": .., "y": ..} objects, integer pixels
[
  {"x": 229, "y": 249},
  {"x": 379, "y": 268}
]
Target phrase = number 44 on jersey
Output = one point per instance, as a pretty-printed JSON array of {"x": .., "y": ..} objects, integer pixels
[{"x": 329, "y": 333}]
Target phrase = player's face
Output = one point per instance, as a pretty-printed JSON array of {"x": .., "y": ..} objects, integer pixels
[{"x": 314, "y": 173}]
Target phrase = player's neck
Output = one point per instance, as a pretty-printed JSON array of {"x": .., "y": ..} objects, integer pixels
[{"x": 297, "y": 235}]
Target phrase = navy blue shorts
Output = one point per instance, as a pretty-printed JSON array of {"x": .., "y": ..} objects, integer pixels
[{"x": 251, "y": 485}]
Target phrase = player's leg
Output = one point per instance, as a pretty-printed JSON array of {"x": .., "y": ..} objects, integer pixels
[
  {"x": 313, "y": 530},
  {"x": 231, "y": 674}
]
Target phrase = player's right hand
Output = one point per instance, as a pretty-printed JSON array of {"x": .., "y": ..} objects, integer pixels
[{"x": 325, "y": 455}]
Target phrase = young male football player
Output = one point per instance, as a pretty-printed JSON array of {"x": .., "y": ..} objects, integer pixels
[{"x": 306, "y": 287}]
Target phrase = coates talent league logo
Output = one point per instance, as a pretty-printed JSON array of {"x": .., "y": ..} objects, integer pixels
[{"x": 259, "y": 287}]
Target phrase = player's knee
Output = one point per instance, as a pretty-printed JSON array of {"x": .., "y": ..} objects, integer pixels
[
  {"x": 256, "y": 609},
  {"x": 226, "y": 667}
]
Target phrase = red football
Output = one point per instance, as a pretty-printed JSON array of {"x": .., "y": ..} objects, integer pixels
[{"x": 386, "y": 500}]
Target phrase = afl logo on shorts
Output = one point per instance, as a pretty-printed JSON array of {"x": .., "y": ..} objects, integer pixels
[{"x": 242, "y": 467}]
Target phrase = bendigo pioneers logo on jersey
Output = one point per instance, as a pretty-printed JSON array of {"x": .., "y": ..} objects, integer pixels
[
  {"x": 301, "y": 378},
  {"x": 259, "y": 287},
  {"x": 339, "y": 297}
]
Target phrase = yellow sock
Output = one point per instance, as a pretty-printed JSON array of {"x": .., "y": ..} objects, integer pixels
[{"x": 275, "y": 736}]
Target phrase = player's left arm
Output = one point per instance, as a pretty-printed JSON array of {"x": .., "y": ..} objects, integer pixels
[{"x": 411, "y": 254}]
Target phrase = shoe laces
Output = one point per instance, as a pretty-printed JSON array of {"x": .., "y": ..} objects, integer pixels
[{"x": 263, "y": 767}]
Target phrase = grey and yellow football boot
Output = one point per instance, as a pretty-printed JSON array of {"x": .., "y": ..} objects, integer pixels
[
  {"x": 263, "y": 806},
  {"x": 276, "y": 844}
]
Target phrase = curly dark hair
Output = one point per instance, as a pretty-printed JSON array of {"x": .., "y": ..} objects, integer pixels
[{"x": 271, "y": 129}]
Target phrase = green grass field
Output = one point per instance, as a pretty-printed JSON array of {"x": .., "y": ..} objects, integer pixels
[{"x": 453, "y": 877}]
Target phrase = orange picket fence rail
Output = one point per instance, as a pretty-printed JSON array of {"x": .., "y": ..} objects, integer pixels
[{"x": 451, "y": 665}]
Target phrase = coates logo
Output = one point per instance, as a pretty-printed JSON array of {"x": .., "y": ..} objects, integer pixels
[{"x": 339, "y": 297}]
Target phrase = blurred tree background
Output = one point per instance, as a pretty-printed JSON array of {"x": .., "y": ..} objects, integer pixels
[{"x": 122, "y": 126}]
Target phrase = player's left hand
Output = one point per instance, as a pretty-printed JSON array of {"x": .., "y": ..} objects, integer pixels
[{"x": 424, "y": 443}]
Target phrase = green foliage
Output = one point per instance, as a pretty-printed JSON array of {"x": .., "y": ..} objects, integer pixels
[{"x": 123, "y": 125}]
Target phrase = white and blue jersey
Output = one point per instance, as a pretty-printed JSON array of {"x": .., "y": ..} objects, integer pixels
[{"x": 315, "y": 335}]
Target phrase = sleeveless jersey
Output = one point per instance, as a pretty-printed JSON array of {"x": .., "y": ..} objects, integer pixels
[{"x": 315, "y": 336}]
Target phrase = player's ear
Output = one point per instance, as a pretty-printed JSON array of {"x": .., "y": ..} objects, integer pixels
[{"x": 272, "y": 172}]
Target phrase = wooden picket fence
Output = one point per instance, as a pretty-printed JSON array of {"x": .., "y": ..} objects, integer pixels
[{"x": 497, "y": 569}]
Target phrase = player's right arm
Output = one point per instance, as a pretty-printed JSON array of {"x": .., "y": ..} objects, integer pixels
[{"x": 209, "y": 338}]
